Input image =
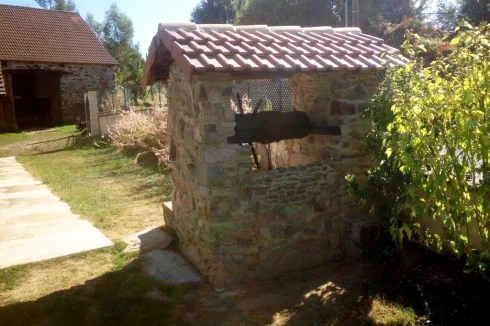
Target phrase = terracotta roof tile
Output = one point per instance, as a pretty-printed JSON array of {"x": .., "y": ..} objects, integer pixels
[
  {"x": 241, "y": 50},
  {"x": 37, "y": 35}
]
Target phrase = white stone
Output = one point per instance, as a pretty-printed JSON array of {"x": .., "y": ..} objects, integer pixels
[
  {"x": 148, "y": 240},
  {"x": 169, "y": 267}
]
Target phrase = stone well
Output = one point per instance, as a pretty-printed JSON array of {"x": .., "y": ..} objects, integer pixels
[{"x": 235, "y": 222}]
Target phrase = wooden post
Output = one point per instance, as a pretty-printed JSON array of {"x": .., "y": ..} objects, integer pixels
[{"x": 11, "y": 122}]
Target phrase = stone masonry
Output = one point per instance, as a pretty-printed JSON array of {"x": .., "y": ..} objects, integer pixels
[
  {"x": 75, "y": 81},
  {"x": 236, "y": 223}
]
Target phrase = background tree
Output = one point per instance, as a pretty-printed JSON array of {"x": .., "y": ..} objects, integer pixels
[
  {"x": 117, "y": 34},
  {"x": 57, "y": 5},
  {"x": 94, "y": 25},
  {"x": 290, "y": 12},
  {"x": 473, "y": 11},
  {"x": 216, "y": 11},
  {"x": 375, "y": 13},
  {"x": 448, "y": 15}
]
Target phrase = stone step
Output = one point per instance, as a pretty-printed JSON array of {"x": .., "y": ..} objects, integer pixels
[
  {"x": 168, "y": 213},
  {"x": 50, "y": 246},
  {"x": 169, "y": 267},
  {"x": 147, "y": 240}
]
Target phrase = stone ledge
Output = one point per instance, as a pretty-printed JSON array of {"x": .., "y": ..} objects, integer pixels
[{"x": 168, "y": 213}]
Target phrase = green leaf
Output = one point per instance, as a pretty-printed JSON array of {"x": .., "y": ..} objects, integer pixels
[
  {"x": 388, "y": 152},
  {"x": 408, "y": 231},
  {"x": 422, "y": 48},
  {"x": 455, "y": 41}
]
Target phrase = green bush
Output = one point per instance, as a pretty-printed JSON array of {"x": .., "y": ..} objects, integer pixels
[{"x": 430, "y": 144}]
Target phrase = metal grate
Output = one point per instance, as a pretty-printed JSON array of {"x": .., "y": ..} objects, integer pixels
[
  {"x": 276, "y": 93},
  {"x": 115, "y": 99}
]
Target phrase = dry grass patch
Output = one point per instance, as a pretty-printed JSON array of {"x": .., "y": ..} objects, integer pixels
[{"x": 30, "y": 282}]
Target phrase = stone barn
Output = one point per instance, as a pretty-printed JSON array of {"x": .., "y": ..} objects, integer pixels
[
  {"x": 236, "y": 220},
  {"x": 49, "y": 58}
]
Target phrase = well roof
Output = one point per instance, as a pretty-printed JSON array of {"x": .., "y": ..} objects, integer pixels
[{"x": 250, "y": 51}]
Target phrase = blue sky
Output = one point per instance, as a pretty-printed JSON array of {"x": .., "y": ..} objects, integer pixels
[{"x": 146, "y": 14}]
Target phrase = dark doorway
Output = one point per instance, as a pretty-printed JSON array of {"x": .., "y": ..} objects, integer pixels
[{"x": 37, "y": 98}]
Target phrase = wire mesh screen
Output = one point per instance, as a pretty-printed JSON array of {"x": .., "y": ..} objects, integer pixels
[
  {"x": 115, "y": 99},
  {"x": 276, "y": 94}
]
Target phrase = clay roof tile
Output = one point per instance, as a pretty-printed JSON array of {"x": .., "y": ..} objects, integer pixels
[
  {"x": 50, "y": 36},
  {"x": 241, "y": 50}
]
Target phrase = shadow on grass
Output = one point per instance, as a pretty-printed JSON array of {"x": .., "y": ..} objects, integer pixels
[
  {"x": 347, "y": 293},
  {"x": 123, "y": 297},
  {"x": 416, "y": 288}
]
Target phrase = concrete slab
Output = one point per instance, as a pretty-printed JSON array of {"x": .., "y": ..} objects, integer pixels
[
  {"x": 36, "y": 225},
  {"x": 169, "y": 267}
]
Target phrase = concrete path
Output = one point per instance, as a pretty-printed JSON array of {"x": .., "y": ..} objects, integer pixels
[{"x": 34, "y": 224}]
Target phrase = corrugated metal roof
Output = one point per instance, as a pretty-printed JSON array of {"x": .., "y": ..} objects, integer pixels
[
  {"x": 37, "y": 35},
  {"x": 251, "y": 50}
]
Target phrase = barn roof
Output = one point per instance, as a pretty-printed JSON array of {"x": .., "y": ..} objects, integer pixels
[
  {"x": 38, "y": 35},
  {"x": 250, "y": 51}
]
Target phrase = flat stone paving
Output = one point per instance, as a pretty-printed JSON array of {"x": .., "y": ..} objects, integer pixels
[
  {"x": 36, "y": 225},
  {"x": 169, "y": 267}
]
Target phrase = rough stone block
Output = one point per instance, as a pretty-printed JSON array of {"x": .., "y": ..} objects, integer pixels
[
  {"x": 362, "y": 233},
  {"x": 218, "y": 154},
  {"x": 215, "y": 175},
  {"x": 168, "y": 214},
  {"x": 169, "y": 267},
  {"x": 148, "y": 240},
  {"x": 342, "y": 108}
]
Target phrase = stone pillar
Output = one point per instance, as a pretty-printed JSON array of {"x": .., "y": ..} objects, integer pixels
[
  {"x": 93, "y": 108},
  {"x": 335, "y": 99},
  {"x": 205, "y": 169}
]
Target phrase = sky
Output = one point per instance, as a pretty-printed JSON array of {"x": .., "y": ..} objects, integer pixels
[{"x": 145, "y": 14}]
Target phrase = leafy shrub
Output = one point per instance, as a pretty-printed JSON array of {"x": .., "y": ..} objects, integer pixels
[
  {"x": 138, "y": 133},
  {"x": 430, "y": 143}
]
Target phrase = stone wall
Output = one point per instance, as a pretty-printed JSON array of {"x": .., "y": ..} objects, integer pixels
[
  {"x": 75, "y": 81},
  {"x": 235, "y": 223},
  {"x": 336, "y": 99}
]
